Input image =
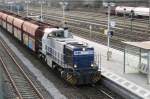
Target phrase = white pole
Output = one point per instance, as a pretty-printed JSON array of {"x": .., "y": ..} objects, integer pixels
[
  {"x": 149, "y": 16},
  {"x": 90, "y": 27},
  {"x": 63, "y": 6},
  {"x": 41, "y": 12},
  {"x": 108, "y": 35},
  {"x": 27, "y": 9},
  {"x": 131, "y": 20},
  {"x": 124, "y": 18},
  {"x": 18, "y": 10},
  {"x": 11, "y": 8}
]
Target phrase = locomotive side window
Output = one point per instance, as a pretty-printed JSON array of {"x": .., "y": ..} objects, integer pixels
[
  {"x": 49, "y": 35},
  {"x": 60, "y": 34}
]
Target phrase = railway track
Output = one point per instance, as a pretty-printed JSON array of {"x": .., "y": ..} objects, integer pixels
[
  {"x": 122, "y": 31},
  {"x": 22, "y": 84},
  {"x": 97, "y": 14},
  {"x": 95, "y": 17}
]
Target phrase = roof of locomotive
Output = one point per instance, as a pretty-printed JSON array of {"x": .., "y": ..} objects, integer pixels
[{"x": 76, "y": 45}]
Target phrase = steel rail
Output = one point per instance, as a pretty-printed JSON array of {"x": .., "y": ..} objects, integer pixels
[
  {"x": 119, "y": 29},
  {"x": 22, "y": 71},
  {"x": 94, "y": 22},
  {"x": 11, "y": 79},
  {"x": 109, "y": 96}
]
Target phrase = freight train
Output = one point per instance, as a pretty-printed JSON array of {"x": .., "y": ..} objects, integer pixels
[
  {"x": 75, "y": 61},
  {"x": 140, "y": 12}
]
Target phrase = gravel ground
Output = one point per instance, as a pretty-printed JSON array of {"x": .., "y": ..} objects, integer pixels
[
  {"x": 1, "y": 81},
  {"x": 50, "y": 78}
]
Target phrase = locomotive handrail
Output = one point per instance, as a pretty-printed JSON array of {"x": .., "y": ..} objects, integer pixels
[{"x": 97, "y": 60}]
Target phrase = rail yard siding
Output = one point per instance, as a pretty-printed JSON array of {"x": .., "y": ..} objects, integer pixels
[
  {"x": 1, "y": 84},
  {"x": 49, "y": 86}
]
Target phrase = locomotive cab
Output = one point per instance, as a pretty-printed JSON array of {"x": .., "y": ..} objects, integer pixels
[
  {"x": 60, "y": 33},
  {"x": 79, "y": 56}
]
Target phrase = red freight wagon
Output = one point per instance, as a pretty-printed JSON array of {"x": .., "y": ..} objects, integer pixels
[
  {"x": 4, "y": 18},
  {"x": 30, "y": 28},
  {"x": 32, "y": 33},
  {"x": 17, "y": 23},
  {"x": 28, "y": 31},
  {"x": 29, "y": 34},
  {"x": 10, "y": 23}
]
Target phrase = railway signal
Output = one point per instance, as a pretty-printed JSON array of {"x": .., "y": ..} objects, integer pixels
[
  {"x": 112, "y": 24},
  {"x": 111, "y": 33},
  {"x": 90, "y": 27},
  {"x": 132, "y": 14},
  {"x": 109, "y": 5}
]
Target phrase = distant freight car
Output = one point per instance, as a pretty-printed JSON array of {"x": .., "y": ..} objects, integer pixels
[
  {"x": 56, "y": 46},
  {"x": 141, "y": 12},
  {"x": 137, "y": 11},
  {"x": 121, "y": 10}
]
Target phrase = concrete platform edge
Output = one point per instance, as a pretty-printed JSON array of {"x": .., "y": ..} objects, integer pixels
[{"x": 124, "y": 87}]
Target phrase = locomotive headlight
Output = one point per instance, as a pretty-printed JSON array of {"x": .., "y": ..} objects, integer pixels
[
  {"x": 92, "y": 65},
  {"x": 75, "y": 66},
  {"x": 83, "y": 49}
]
